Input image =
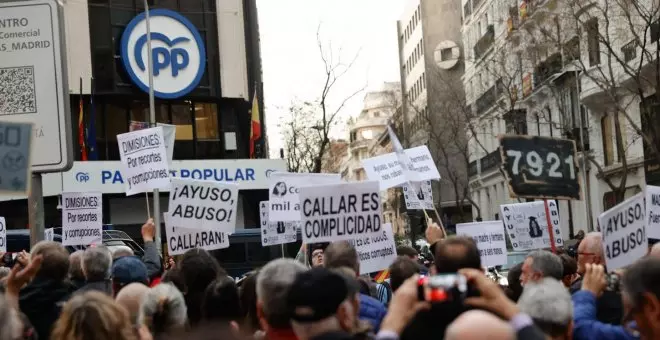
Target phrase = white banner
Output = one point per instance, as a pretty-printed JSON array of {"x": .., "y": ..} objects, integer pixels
[
  {"x": 652, "y": 211},
  {"x": 180, "y": 240},
  {"x": 490, "y": 239},
  {"x": 376, "y": 252},
  {"x": 82, "y": 218},
  {"x": 340, "y": 212},
  {"x": 49, "y": 234},
  {"x": 144, "y": 160},
  {"x": 203, "y": 205},
  {"x": 422, "y": 200},
  {"x": 387, "y": 170},
  {"x": 169, "y": 136},
  {"x": 273, "y": 233},
  {"x": 3, "y": 235},
  {"x": 284, "y": 189},
  {"x": 624, "y": 234},
  {"x": 527, "y": 225}
]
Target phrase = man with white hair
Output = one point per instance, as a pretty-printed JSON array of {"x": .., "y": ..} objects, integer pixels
[
  {"x": 121, "y": 251},
  {"x": 488, "y": 327},
  {"x": 549, "y": 304},
  {"x": 540, "y": 264},
  {"x": 273, "y": 283},
  {"x": 96, "y": 264}
]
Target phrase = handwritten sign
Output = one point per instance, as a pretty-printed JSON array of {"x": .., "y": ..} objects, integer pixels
[
  {"x": 180, "y": 240},
  {"x": 376, "y": 252},
  {"x": 284, "y": 191},
  {"x": 273, "y": 233},
  {"x": 423, "y": 199},
  {"x": 652, "y": 211},
  {"x": 387, "y": 170},
  {"x": 82, "y": 218},
  {"x": 490, "y": 239},
  {"x": 527, "y": 226},
  {"x": 204, "y": 205},
  {"x": 144, "y": 160},
  {"x": 624, "y": 234}
]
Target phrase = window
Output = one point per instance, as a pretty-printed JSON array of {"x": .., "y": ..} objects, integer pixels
[
  {"x": 593, "y": 43},
  {"x": 608, "y": 144},
  {"x": 376, "y": 114},
  {"x": 206, "y": 121}
]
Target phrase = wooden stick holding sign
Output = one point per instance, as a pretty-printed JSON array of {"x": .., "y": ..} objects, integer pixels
[
  {"x": 550, "y": 231},
  {"x": 146, "y": 196}
]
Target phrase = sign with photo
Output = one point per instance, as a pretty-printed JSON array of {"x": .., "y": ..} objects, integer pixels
[
  {"x": 49, "y": 234},
  {"x": 624, "y": 233},
  {"x": 273, "y": 233},
  {"x": 284, "y": 189},
  {"x": 423, "y": 199},
  {"x": 527, "y": 226}
]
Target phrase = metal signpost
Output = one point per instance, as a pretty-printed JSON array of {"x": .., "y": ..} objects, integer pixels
[{"x": 33, "y": 70}]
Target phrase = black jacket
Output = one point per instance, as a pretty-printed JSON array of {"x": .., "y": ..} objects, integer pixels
[
  {"x": 104, "y": 286},
  {"x": 610, "y": 306},
  {"x": 41, "y": 301}
]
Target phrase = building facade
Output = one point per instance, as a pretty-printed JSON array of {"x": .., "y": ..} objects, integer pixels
[{"x": 207, "y": 68}]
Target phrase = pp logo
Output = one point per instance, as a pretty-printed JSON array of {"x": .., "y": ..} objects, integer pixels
[
  {"x": 177, "y": 53},
  {"x": 82, "y": 177}
]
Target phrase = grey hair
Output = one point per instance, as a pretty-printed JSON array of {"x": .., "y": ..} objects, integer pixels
[
  {"x": 75, "y": 265},
  {"x": 549, "y": 304},
  {"x": 163, "y": 309},
  {"x": 273, "y": 282},
  {"x": 122, "y": 251},
  {"x": 594, "y": 243},
  {"x": 96, "y": 263},
  {"x": 547, "y": 264}
]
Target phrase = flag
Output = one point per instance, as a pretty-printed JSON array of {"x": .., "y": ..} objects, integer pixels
[
  {"x": 91, "y": 131},
  {"x": 382, "y": 276},
  {"x": 81, "y": 128},
  {"x": 255, "y": 128}
]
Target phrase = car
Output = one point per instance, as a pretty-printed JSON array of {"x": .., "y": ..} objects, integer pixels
[{"x": 19, "y": 240}]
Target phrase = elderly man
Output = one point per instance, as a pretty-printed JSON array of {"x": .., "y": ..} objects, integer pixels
[
  {"x": 273, "y": 283},
  {"x": 489, "y": 327},
  {"x": 130, "y": 297},
  {"x": 76, "y": 275},
  {"x": 540, "y": 264},
  {"x": 641, "y": 295},
  {"x": 96, "y": 263},
  {"x": 549, "y": 304}
]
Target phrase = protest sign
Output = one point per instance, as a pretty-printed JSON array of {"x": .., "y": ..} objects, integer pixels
[
  {"x": 624, "y": 234},
  {"x": 376, "y": 252},
  {"x": 423, "y": 199},
  {"x": 273, "y": 233},
  {"x": 339, "y": 212},
  {"x": 652, "y": 211},
  {"x": 527, "y": 226},
  {"x": 284, "y": 189},
  {"x": 49, "y": 234},
  {"x": 169, "y": 135},
  {"x": 144, "y": 160},
  {"x": 206, "y": 205},
  {"x": 82, "y": 218},
  {"x": 3, "y": 235},
  {"x": 15, "y": 153},
  {"x": 180, "y": 240},
  {"x": 490, "y": 239},
  {"x": 387, "y": 170}
]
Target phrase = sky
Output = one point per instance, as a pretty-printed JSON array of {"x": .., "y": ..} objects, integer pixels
[{"x": 292, "y": 66}]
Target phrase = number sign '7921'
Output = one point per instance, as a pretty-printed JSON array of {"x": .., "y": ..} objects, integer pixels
[{"x": 540, "y": 167}]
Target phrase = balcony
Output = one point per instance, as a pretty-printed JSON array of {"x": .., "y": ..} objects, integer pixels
[
  {"x": 547, "y": 68},
  {"x": 491, "y": 161},
  {"x": 485, "y": 42},
  {"x": 489, "y": 98},
  {"x": 472, "y": 169}
]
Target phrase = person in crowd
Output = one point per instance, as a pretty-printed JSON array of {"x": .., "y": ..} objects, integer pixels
[
  {"x": 41, "y": 299},
  {"x": 163, "y": 311},
  {"x": 273, "y": 283},
  {"x": 122, "y": 251},
  {"x": 655, "y": 250},
  {"x": 640, "y": 288},
  {"x": 127, "y": 270},
  {"x": 590, "y": 251},
  {"x": 343, "y": 254},
  {"x": 401, "y": 269},
  {"x": 4, "y": 272},
  {"x": 407, "y": 251},
  {"x": 197, "y": 270},
  {"x": 384, "y": 290},
  {"x": 539, "y": 264},
  {"x": 570, "y": 270},
  {"x": 130, "y": 298},
  {"x": 151, "y": 256},
  {"x": 173, "y": 276},
  {"x": 248, "y": 294},
  {"x": 586, "y": 324},
  {"x": 222, "y": 302},
  {"x": 96, "y": 263},
  {"x": 76, "y": 275},
  {"x": 11, "y": 325},
  {"x": 549, "y": 304},
  {"x": 514, "y": 288},
  {"x": 93, "y": 315},
  {"x": 330, "y": 315},
  {"x": 478, "y": 325},
  {"x": 317, "y": 254}
]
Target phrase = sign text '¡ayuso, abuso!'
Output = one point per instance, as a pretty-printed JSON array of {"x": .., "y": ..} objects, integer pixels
[
  {"x": 623, "y": 219},
  {"x": 342, "y": 225},
  {"x": 190, "y": 191}
]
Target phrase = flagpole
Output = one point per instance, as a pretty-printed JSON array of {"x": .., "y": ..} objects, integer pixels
[{"x": 152, "y": 120}]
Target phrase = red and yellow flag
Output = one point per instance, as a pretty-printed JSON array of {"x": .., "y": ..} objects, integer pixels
[
  {"x": 255, "y": 129},
  {"x": 81, "y": 128},
  {"x": 382, "y": 276}
]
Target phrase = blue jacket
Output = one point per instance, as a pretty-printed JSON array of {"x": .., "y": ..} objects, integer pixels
[
  {"x": 372, "y": 310},
  {"x": 587, "y": 327}
]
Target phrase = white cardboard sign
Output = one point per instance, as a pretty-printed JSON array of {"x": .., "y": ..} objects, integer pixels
[
  {"x": 82, "y": 218},
  {"x": 527, "y": 226},
  {"x": 3, "y": 235},
  {"x": 206, "y": 205},
  {"x": 387, "y": 170},
  {"x": 144, "y": 160},
  {"x": 422, "y": 200},
  {"x": 273, "y": 233},
  {"x": 284, "y": 193},
  {"x": 376, "y": 252},
  {"x": 49, "y": 234},
  {"x": 180, "y": 240},
  {"x": 490, "y": 239},
  {"x": 652, "y": 211},
  {"x": 338, "y": 212},
  {"x": 624, "y": 233},
  {"x": 169, "y": 135}
]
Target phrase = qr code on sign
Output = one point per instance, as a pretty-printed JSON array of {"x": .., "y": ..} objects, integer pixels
[{"x": 17, "y": 93}]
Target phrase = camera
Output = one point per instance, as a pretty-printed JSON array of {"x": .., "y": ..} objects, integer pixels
[
  {"x": 613, "y": 282},
  {"x": 444, "y": 288}
]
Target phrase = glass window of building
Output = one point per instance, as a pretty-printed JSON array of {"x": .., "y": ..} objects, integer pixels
[
  {"x": 206, "y": 121},
  {"x": 182, "y": 118}
]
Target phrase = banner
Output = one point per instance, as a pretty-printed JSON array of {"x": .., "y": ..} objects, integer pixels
[
  {"x": 376, "y": 252},
  {"x": 144, "y": 160},
  {"x": 422, "y": 200},
  {"x": 284, "y": 189},
  {"x": 652, "y": 211},
  {"x": 3, "y": 235},
  {"x": 527, "y": 225},
  {"x": 49, "y": 234},
  {"x": 490, "y": 239},
  {"x": 340, "y": 212},
  {"x": 387, "y": 170},
  {"x": 180, "y": 240},
  {"x": 624, "y": 234},
  {"x": 82, "y": 218},
  {"x": 205, "y": 205},
  {"x": 276, "y": 232}
]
